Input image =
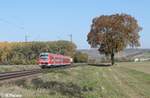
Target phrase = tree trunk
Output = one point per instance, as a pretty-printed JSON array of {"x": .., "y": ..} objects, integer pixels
[{"x": 112, "y": 58}]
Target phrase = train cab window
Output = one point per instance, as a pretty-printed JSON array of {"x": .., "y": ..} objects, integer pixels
[{"x": 44, "y": 57}]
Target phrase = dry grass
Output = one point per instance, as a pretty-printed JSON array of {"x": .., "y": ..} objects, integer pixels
[
  {"x": 124, "y": 80},
  {"x": 6, "y": 68}
]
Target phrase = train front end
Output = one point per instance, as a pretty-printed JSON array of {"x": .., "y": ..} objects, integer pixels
[{"x": 44, "y": 60}]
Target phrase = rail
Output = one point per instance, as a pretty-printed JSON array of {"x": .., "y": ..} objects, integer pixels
[{"x": 16, "y": 74}]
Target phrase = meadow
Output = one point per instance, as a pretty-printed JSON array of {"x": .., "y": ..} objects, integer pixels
[{"x": 123, "y": 80}]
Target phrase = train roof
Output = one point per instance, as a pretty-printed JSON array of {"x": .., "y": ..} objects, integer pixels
[{"x": 46, "y": 53}]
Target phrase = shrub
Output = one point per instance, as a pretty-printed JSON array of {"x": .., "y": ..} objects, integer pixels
[{"x": 80, "y": 57}]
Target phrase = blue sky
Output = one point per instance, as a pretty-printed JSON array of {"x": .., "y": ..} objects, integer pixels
[{"x": 45, "y": 20}]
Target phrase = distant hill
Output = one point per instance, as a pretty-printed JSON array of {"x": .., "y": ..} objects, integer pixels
[{"x": 127, "y": 53}]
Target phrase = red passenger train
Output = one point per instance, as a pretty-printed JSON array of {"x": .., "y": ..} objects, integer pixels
[{"x": 49, "y": 59}]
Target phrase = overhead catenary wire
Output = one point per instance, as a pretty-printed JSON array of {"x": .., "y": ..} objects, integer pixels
[{"x": 17, "y": 26}]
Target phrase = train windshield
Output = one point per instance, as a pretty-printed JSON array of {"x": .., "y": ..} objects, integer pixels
[{"x": 44, "y": 56}]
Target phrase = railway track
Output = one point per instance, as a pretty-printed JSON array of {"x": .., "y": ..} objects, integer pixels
[{"x": 16, "y": 74}]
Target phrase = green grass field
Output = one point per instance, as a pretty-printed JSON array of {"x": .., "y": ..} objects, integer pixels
[{"x": 123, "y": 80}]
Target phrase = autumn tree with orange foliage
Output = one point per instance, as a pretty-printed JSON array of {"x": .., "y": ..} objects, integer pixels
[{"x": 113, "y": 33}]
